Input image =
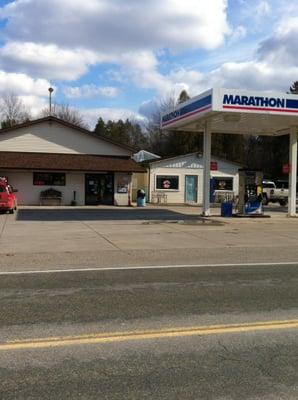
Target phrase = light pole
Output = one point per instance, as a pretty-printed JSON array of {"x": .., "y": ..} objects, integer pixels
[{"x": 50, "y": 98}]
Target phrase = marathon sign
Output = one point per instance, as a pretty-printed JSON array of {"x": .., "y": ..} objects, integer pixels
[
  {"x": 255, "y": 101},
  {"x": 172, "y": 115},
  {"x": 193, "y": 113},
  {"x": 190, "y": 109},
  {"x": 234, "y": 101}
]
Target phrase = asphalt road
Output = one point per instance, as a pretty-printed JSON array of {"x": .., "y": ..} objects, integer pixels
[{"x": 183, "y": 333}]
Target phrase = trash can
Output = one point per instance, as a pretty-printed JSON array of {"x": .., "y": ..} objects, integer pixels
[
  {"x": 226, "y": 209},
  {"x": 141, "y": 198}
]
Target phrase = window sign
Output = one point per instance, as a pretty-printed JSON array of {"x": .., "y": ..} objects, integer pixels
[
  {"x": 122, "y": 184},
  {"x": 167, "y": 182},
  {"x": 48, "y": 179},
  {"x": 223, "y": 183}
]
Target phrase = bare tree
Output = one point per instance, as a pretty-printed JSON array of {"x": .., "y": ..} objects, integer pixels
[
  {"x": 13, "y": 111},
  {"x": 66, "y": 113},
  {"x": 160, "y": 141}
]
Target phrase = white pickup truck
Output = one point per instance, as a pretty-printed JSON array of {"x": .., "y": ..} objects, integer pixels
[{"x": 275, "y": 192}]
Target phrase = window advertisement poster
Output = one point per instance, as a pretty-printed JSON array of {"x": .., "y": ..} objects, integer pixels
[
  {"x": 122, "y": 184},
  {"x": 167, "y": 182}
]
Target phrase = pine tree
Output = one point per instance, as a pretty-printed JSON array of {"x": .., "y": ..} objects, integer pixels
[
  {"x": 183, "y": 96},
  {"x": 100, "y": 127}
]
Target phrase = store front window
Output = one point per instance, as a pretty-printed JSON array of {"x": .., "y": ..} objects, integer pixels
[
  {"x": 220, "y": 188},
  {"x": 49, "y": 179},
  {"x": 99, "y": 189},
  {"x": 222, "y": 183},
  {"x": 167, "y": 182}
]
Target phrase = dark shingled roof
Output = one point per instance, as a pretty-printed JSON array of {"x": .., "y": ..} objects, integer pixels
[{"x": 67, "y": 162}]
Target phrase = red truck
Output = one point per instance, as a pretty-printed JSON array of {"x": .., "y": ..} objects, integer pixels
[{"x": 8, "y": 199}]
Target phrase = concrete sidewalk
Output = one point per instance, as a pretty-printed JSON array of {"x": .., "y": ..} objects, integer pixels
[{"x": 47, "y": 237}]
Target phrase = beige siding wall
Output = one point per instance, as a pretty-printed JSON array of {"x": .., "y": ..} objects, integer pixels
[
  {"x": 28, "y": 194},
  {"x": 140, "y": 181},
  {"x": 190, "y": 165},
  {"x": 55, "y": 138},
  {"x": 122, "y": 199},
  {"x": 176, "y": 196},
  {"x": 228, "y": 170}
]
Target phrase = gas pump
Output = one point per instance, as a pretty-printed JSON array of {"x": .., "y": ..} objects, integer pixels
[{"x": 250, "y": 192}]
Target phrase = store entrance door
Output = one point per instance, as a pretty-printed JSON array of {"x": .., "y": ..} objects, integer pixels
[
  {"x": 99, "y": 189},
  {"x": 191, "y": 188}
]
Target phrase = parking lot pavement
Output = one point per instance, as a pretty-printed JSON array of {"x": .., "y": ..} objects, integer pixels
[{"x": 47, "y": 237}]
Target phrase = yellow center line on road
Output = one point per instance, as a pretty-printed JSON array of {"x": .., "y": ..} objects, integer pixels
[{"x": 111, "y": 337}]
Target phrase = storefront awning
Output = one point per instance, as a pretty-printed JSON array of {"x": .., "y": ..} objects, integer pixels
[{"x": 67, "y": 162}]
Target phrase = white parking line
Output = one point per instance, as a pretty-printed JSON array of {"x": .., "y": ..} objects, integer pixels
[{"x": 146, "y": 267}]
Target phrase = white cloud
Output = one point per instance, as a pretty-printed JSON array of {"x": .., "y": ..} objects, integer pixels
[
  {"x": 189, "y": 80},
  {"x": 141, "y": 68},
  {"x": 238, "y": 33},
  {"x": 149, "y": 107},
  {"x": 281, "y": 49},
  {"x": 49, "y": 60},
  {"x": 274, "y": 66},
  {"x": 113, "y": 26},
  {"x": 287, "y": 25},
  {"x": 23, "y": 84},
  {"x": 262, "y": 9},
  {"x": 141, "y": 60},
  {"x": 35, "y": 104},
  {"x": 90, "y": 91},
  {"x": 172, "y": 84},
  {"x": 150, "y": 79},
  {"x": 74, "y": 35},
  {"x": 253, "y": 75},
  {"x": 255, "y": 12}
]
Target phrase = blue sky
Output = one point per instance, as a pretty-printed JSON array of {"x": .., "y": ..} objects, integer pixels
[{"x": 117, "y": 59}]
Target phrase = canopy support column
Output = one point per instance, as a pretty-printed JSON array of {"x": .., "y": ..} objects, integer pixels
[
  {"x": 293, "y": 172},
  {"x": 207, "y": 160}
]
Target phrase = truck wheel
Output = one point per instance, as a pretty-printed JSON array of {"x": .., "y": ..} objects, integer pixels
[
  {"x": 283, "y": 202},
  {"x": 265, "y": 200},
  {"x": 11, "y": 211}
]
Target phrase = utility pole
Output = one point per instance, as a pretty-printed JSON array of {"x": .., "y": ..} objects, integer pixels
[{"x": 50, "y": 99}]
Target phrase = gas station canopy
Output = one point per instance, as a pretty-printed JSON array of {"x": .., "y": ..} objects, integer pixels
[{"x": 235, "y": 111}]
